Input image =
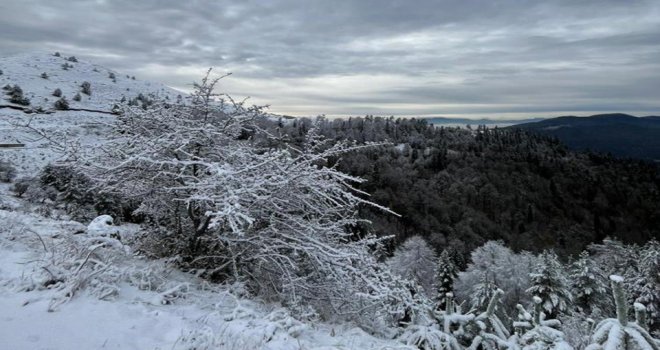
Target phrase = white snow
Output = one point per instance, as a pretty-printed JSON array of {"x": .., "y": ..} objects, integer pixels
[
  {"x": 155, "y": 306},
  {"x": 616, "y": 278}
]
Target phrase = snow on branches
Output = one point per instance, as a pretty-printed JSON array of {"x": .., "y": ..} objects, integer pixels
[{"x": 275, "y": 217}]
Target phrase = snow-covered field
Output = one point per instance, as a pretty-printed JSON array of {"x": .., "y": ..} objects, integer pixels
[{"x": 62, "y": 290}]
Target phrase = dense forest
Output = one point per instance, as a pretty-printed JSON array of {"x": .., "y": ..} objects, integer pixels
[{"x": 459, "y": 188}]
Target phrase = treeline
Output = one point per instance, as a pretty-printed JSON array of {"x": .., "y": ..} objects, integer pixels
[{"x": 459, "y": 188}]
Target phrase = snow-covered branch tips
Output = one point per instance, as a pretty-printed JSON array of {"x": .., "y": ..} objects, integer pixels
[{"x": 244, "y": 204}]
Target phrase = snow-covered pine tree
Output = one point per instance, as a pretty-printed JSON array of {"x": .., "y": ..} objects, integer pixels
[
  {"x": 539, "y": 333},
  {"x": 445, "y": 275},
  {"x": 646, "y": 283},
  {"x": 619, "y": 333},
  {"x": 550, "y": 284},
  {"x": 415, "y": 260},
  {"x": 483, "y": 292},
  {"x": 588, "y": 284}
]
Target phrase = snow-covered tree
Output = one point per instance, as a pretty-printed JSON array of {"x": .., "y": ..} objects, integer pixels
[
  {"x": 646, "y": 283},
  {"x": 415, "y": 260},
  {"x": 619, "y": 333},
  {"x": 540, "y": 333},
  {"x": 588, "y": 284},
  {"x": 445, "y": 275},
  {"x": 549, "y": 283},
  {"x": 495, "y": 264},
  {"x": 273, "y": 218}
]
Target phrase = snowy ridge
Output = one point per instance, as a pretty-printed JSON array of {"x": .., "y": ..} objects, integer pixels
[{"x": 26, "y": 71}]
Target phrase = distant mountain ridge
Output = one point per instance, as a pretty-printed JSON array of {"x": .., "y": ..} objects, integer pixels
[
  {"x": 622, "y": 135},
  {"x": 482, "y": 121}
]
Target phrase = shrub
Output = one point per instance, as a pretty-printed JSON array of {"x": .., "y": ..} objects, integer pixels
[
  {"x": 1, "y": 72},
  {"x": 15, "y": 94},
  {"x": 57, "y": 54},
  {"x": 72, "y": 59},
  {"x": 57, "y": 92},
  {"x": 86, "y": 88},
  {"x": 44, "y": 75},
  {"x": 7, "y": 171},
  {"x": 21, "y": 186},
  {"x": 111, "y": 75},
  {"x": 77, "y": 97},
  {"x": 62, "y": 104}
]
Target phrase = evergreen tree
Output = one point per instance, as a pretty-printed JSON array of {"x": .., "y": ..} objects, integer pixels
[
  {"x": 550, "y": 284},
  {"x": 647, "y": 283},
  {"x": 483, "y": 292},
  {"x": 588, "y": 284},
  {"x": 444, "y": 279}
]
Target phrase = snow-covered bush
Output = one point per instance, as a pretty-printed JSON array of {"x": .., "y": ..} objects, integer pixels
[
  {"x": 619, "y": 333},
  {"x": 275, "y": 218},
  {"x": 7, "y": 171},
  {"x": 57, "y": 92},
  {"x": 77, "y": 97},
  {"x": 415, "y": 260},
  {"x": 15, "y": 94},
  {"x": 70, "y": 265}
]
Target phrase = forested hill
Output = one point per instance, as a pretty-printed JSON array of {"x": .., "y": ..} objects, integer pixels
[
  {"x": 622, "y": 135},
  {"x": 460, "y": 187}
]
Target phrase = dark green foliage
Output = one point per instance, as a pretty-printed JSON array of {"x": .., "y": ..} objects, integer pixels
[
  {"x": 62, "y": 104},
  {"x": 72, "y": 59},
  {"x": 86, "y": 88},
  {"x": 66, "y": 66},
  {"x": 444, "y": 280},
  {"x": 75, "y": 192},
  {"x": 7, "y": 171},
  {"x": 57, "y": 92},
  {"x": 57, "y": 54},
  {"x": 460, "y": 189},
  {"x": 619, "y": 134},
  {"x": 77, "y": 97},
  {"x": 111, "y": 75},
  {"x": 44, "y": 75}
]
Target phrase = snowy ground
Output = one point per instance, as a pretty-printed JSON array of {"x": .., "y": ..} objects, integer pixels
[{"x": 60, "y": 290}]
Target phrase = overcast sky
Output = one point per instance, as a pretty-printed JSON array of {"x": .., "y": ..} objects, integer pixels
[{"x": 463, "y": 58}]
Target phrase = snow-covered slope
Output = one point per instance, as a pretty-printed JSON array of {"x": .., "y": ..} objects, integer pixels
[
  {"x": 63, "y": 290},
  {"x": 26, "y": 71}
]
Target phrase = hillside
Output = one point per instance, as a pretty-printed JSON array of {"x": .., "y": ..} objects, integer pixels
[
  {"x": 621, "y": 135},
  {"x": 108, "y": 87},
  {"x": 460, "y": 188},
  {"x": 86, "y": 118}
]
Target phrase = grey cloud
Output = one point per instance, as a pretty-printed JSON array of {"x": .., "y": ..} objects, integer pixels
[{"x": 511, "y": 55}]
